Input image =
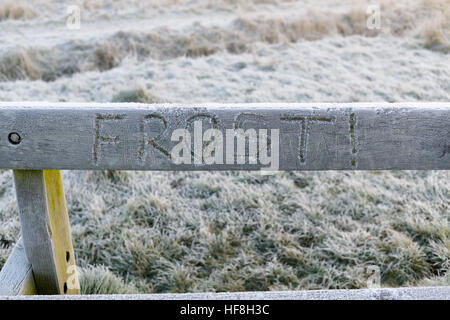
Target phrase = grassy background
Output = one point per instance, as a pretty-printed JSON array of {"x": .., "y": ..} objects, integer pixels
[{"x": 238, "y": 231}]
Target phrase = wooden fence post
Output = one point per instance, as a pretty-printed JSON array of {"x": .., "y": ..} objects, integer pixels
[{"x": 46, "y": 231}]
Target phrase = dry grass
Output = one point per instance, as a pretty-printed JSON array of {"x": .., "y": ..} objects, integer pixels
[
  {"x": 435, "y": 29},
  {"x": 428, "y": 21},
  {"x": 19, "y": 65},
  {"x": 15, "y": 10},
  {"x": 99, "y": 280},
  {"x": 434, "y": 38},
  {"x": 139, "y": 94}
]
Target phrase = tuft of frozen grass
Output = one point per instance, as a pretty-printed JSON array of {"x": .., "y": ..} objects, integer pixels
[
  {"x": 435, "y": 281},
  {"x": 15, "y": 10},
  {"x": 435, "y": 30},
  {"x": 100, "y": 280},
  {"x": 107, "y": 56},
  {"x": 135, "y": 95},
  {"x": 18, "y": 65},
  {"x": 434, "y": 38}
]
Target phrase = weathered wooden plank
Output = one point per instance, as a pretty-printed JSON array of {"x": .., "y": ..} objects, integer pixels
[
  {"x": 406, "y": 293},
  {"x": 149, "y": 137},
  {"x": 46, "y": 231},
  {"x": 16, "y": 276}
]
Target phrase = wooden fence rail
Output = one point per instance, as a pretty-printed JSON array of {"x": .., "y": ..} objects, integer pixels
[{"x": 37, "y": 139}]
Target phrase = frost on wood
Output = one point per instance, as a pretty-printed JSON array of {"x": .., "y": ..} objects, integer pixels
[{"x": 143, "y": 137}]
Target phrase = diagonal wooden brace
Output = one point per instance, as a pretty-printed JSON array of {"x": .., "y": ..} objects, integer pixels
[
  {"x": 46, "y": 231},
  {"x": 16, "y": 276}
]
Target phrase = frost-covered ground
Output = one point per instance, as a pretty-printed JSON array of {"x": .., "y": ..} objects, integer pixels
[{"x": 237, "y": 231}]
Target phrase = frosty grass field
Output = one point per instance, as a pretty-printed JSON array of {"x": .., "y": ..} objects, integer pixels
[{"x": 238, "y": 231}]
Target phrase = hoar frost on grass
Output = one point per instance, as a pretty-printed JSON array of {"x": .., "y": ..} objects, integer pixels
[
  {"x": 240, "y": 231},
  {"x": 426, "y": 20}
]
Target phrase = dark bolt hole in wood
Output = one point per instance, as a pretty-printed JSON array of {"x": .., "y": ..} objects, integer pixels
[{"x": 14, "y": 138}]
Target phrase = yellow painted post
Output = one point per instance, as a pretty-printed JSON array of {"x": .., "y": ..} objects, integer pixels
[
  {"x": 62, "y": 238},
  {"x": 46, "y": 230}
]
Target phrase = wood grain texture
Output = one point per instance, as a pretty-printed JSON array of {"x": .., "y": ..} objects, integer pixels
[
  {"x": 46, "y": 231},
  {"x": 406, "y": 293},
  {"x": 16, "y": 277},
  {"x": 132, "y": 136}
]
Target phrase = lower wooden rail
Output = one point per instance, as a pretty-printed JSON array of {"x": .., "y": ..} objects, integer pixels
[{"x": 411, "y": 293}]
